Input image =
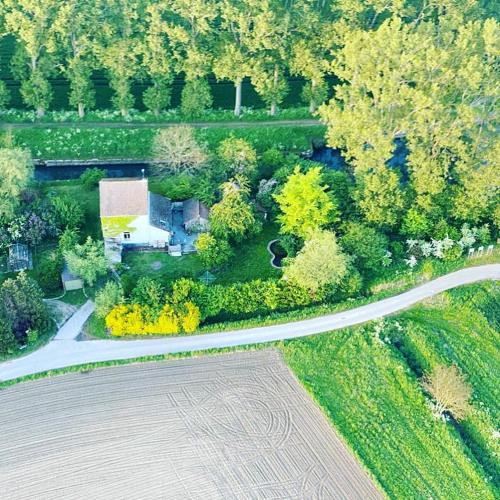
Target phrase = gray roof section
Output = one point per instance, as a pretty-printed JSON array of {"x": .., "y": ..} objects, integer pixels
[
  {"x": 194, "y": 210},
  {"x": 160, "y": 212}
]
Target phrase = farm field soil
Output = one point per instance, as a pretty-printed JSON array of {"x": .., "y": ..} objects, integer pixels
[{"x": 226, "y": 426}]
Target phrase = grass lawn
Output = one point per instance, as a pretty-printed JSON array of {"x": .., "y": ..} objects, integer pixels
[
  {"x": 169, "y": 268},
  {"x": 373, "y": 398},
  {"x": 251, "y": 260}
]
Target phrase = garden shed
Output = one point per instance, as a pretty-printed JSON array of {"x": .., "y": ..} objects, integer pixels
[
  {"x": 195, "y": 215},
  {"x": 70, "y": 281},
  {"x": 19, "y": 258}
]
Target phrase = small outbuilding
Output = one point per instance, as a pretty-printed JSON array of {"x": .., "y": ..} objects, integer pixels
[
  {"x": 19, "y": 258},
  {"x": 70, "y": 281},
  {"x": 195, "y": 215}
]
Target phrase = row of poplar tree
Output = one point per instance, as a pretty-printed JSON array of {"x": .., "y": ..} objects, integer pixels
[{"x": 155, "y": 40}]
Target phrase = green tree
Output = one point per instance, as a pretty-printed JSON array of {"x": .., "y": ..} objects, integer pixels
[
  {"x": 117, "y": 48},
  {"x": 75, "y": 29},
  {"x": 308, "y": 57},
  {"x": 366, "y": 244},
  {"x": 304, "y": 204},
  {"x": 232, "y": 59},
  {"x": 318, "y": 264},
  {"x": 4, "y": 95},
  {"x": 87, "y": 261},
  {"x": 107, "y": 298},
  {"x": 380, "y": 197},
  {"x": 190, "y": 32},
  {"x": 416, "y": 224},
  {"x": 238, "y": 157},
  {"x": 212, "y": 251},
  {"x": 233, "y": 216},
  {"x": 268, "y": 44},
  {"x": 16, "y": 169},
  {"x": 22, "y": 306},
  {"x": 440, "y": 98},
  {"x": 157, "y": 59},
  {"x": 31, "y": 22}
]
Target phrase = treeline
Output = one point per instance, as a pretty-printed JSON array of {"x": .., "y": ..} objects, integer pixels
[{"x": 155, "y": 40}]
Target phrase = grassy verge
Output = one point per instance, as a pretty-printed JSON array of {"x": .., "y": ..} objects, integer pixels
[
  {"x": 373, "y": 398},
  {"x": 135, "y": 116},
  {"x": 462, "y": 329},
  {"x": 135, "y": 143}
]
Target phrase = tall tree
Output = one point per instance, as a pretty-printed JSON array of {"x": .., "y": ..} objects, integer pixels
[
  {"x": 22, "y": 306},
  {"x": 117, "y": 47},
  {"x": 308, "y": 57},
  {"x": 191, "y": 31},
  {"x": 269, "y": 41},
  {"x": 157, "y": 59},
  {"x": 31, "y": 22},
  {"x": 75, "y": 28},
  {"x": 433, "y": 83},
  {"x": 232, "y": 59},
  {"x": 233, "y": 216},
  {"x": 319, "y": 263},
  {"x": 304, "y": 204},
  {"x": 16, "y": 169}
]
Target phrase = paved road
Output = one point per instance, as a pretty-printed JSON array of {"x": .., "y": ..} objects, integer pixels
[
  {"x": 65, "y": 351},
  {"x": 233, "y": 426},
  {"x": 229, "y": 124}
]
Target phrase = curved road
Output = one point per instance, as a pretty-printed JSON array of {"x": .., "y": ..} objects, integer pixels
[{"x": 64, "y": 350}]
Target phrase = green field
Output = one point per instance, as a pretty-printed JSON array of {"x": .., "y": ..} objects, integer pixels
[
  {"x": 368, "y": 386},
  {"x": 135, "y": 143}
]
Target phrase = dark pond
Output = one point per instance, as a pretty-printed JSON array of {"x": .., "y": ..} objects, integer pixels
[
  {"x": 66, "y": 172},
  {"x": 333, "y": 158},
  {"x": 279, "y": 253}
]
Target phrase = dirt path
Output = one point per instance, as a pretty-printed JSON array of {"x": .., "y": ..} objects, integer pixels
[{"x": 200, "y": 124}]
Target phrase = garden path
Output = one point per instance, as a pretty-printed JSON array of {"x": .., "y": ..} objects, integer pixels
[
  {"x": 65, "y": 351},
  {"x": 305, "y": 122}
]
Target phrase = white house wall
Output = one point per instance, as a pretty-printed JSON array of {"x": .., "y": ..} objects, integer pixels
[{"x": 143, "y": 233}]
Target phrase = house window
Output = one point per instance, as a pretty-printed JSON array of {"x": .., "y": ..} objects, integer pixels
[{"x": 126, "y": 235}]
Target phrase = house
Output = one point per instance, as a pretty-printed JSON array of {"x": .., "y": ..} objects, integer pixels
[
  {"x": 133, "y": 216},
  {"x": 195, "y": 216}
]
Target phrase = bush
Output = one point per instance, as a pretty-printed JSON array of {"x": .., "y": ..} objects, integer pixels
[
  {"x": 449, "y": 390},
  {"x": 91, "y": 177},
  {"x": 68, "y": 212},
  {"x": 149, "y": 292},
  {"x": 212, "y": 251},
  {"x": 22, "y": 306},
  {"x": 176, "y": 150},
  {"x": 134, "y": 319},
  {"x": 195, "y": 98},
  {"x": 48, "y": 272},
  {"x": 107, "y": 298},
  {"x": 368, "y": 245}
]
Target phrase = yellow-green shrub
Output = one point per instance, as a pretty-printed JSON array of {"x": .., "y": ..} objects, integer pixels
[{"x": 134, "y": 319}]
